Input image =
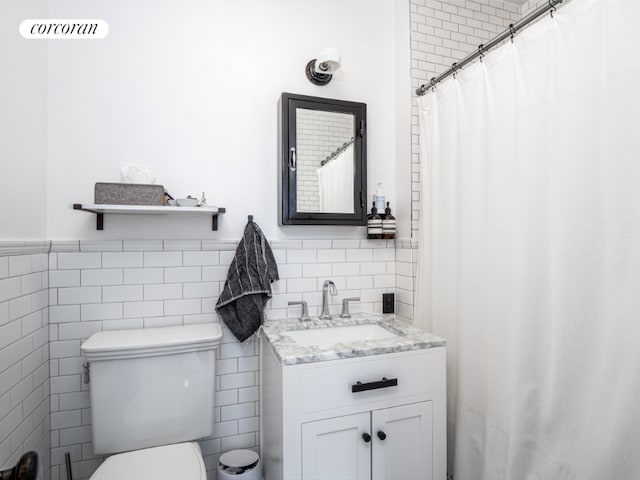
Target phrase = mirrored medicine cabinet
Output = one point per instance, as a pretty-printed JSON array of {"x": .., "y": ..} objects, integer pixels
[{"x": 323, "y": 161}]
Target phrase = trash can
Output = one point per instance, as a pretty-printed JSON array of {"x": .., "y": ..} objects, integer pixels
[{"x": 239, "y": 465}]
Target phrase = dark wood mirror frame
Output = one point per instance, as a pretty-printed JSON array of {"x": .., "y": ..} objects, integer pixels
[{"x": 288, "y": 213}]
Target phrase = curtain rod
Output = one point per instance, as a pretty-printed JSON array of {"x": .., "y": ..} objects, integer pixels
[
  {"x": 338, "y": 151},
  {"x": 484, "y": 48}
]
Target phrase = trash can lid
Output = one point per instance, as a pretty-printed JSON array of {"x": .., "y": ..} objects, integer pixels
[{"x": 238, "y": 458}]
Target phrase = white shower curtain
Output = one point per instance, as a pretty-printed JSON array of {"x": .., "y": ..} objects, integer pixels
[
  {"x": 335, "y": 183},
  {"x": 530, "y": 249}
]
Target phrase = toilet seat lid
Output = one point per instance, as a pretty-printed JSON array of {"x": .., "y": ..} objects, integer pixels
[{"x": 181, "y": 460}]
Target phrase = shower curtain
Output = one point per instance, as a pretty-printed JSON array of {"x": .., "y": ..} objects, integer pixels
[
  {"x": 335, "y": 183},
  {"x": 530, "y": 249}
]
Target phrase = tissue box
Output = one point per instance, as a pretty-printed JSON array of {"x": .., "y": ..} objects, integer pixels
[{"x": 128, "y": 194}]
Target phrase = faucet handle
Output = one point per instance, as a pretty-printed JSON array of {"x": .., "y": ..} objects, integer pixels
[
  {"x": 304, "y": 314},
  {"x": 345, "y": 306}
]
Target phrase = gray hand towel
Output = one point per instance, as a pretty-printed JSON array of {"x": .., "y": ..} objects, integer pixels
[{"x": 248, "y": 286}]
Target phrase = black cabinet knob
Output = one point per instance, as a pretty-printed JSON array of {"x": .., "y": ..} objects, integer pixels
[
  {"x": 382, "y": 435},
  {"x": 366, "y": 437}
]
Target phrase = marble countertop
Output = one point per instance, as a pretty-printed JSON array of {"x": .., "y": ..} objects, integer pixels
[{"x": 291, "y": 353}]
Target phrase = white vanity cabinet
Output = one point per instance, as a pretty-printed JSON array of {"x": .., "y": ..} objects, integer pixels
[
  {"x": 403, "y": 442},
  {"x": 376, "y": 417},
  {"x": 333, "y": 448},
  {"x": 391, "y": 443}
]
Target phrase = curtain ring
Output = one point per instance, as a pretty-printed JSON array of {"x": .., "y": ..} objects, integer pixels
[
  {"x": 552, "y": 4},
  {"x": 481, "y": 50},
  {"x": 454, "y": 67},
  {"x": 513, "y": 31}
]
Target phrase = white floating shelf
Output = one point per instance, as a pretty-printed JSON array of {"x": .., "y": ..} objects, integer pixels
[{"x": 101, "y": 209}]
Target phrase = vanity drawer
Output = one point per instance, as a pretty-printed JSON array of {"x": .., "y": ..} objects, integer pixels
[{"x": 329, "y": 385}]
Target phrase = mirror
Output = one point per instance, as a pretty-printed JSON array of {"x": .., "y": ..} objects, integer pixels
[{"x": 323, "y": 161}]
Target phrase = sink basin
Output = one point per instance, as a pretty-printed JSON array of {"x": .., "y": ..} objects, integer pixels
[{"x": 325, "y": 337}]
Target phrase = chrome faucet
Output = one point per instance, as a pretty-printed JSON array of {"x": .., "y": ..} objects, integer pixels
[{"x": 327, "y": 287}]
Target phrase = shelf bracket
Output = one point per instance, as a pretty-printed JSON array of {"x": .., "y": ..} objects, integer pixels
[
  {"x": 214, "y": 219},
  {"x": 99, "y": 216},
  {"x": 214, "y": 223}
]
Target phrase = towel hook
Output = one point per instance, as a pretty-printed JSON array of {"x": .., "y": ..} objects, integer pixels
[{"x": 250, "y": 218}]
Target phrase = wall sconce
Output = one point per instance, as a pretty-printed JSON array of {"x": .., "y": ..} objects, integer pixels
[{"x": 320, "y": 70}]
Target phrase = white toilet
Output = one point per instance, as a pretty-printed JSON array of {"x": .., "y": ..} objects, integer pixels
[{"x": 151, "y": 397}]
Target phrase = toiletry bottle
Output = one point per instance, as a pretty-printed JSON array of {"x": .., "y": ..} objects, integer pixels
[
  {"x": 388, "y": 224},
  {"x": 374, "y": 224},
  {"x": 379, "y": 198}
]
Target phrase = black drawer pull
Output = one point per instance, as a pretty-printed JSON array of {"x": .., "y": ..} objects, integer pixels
[
  {"x": 366, "y": 437},
  {"x": 384, "y": 383}
]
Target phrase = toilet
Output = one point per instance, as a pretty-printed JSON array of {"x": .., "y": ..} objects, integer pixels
[{"x": 152, "y": 396}]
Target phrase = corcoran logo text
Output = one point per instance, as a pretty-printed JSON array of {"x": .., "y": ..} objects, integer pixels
[{"x": 50, "y": 29}]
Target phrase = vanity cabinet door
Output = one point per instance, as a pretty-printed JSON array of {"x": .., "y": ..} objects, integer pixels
[
  {"x": 335, "y": 449},
  {"x": 402, "y": 444}
]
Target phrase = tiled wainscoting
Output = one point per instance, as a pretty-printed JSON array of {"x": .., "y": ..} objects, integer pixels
[
  {"x": 24, "y": 356},
  {"x": 98, "y": 286},
  {"x": 53, "y": 295}
]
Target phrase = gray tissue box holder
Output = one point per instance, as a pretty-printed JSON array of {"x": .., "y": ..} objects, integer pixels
[{"x": 128, "y": 194}]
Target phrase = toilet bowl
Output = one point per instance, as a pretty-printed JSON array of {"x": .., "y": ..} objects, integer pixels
[
  {"x": 152, "y": 395},
  {"x": 180, "y": 461}
]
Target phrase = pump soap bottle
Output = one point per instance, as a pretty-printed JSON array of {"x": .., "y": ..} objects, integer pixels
[
  {"x": 374, "y": 224},
  {"x": 379, "y": 199},
  {"x": 388, "y": 224}
]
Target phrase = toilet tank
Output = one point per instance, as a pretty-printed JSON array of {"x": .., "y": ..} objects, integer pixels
[{"x": 151, "y": 387}]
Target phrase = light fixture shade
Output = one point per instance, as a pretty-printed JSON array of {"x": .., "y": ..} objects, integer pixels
[{"x": 328, "y": 61}]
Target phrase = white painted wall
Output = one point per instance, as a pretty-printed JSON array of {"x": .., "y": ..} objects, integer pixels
[
  {"x": 404, "y": 99},
  {"x": 191, "y": 89},
  {"x": 23, "y": 87}
]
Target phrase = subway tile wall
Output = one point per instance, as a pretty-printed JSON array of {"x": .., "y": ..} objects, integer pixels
[
  {"x": 532, "y": 4},
  {"x": 406, "y": 264},
  {"x": 24, "y": 359},
  {"x": 140, "y": 284}
]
